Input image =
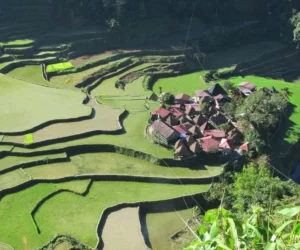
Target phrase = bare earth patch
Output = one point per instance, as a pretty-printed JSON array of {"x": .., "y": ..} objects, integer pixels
[
  {"x": 85, "y": 59},
  {"x": 122, "y": 230}
]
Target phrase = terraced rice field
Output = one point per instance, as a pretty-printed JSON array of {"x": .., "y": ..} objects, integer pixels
[
  {"x": 60, "y": 178},
  {"x": 31, "y": 105}
]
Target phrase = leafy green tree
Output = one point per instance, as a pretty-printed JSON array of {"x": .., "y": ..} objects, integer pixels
[
  {"x": 256, "y": 186},
  {"x": 228, "y": 85},
  {"x": 167, "y": 98},
  {"x": 113, "y": 24},
  {"x": 221, "y": 229},
  {"x": 204, "y": 107},
  {"x": 262, "y": 111}
]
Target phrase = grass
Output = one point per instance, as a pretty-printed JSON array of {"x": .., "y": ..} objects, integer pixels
[
  {"x": 74, "y": 215},
  {"x": 161, "y": 226},
  {"x": 113, "y": 163},
  {"x": 18, "y": 42},
  {"x": 240, "y": 54},
  {"x": 134, "y": 124},
  {"x": 25, "y": 105},
  {"x": 31, "y": 73},
  {"x": 22, "y": 203},
  {"x": 28, "y": 139},
  {"x": 70, "y": 80},
  {"x": 59, "y": 66},
  {"x": 12, "y": 179},
  {"x": 181, "y": 84},
  {"x": 107, "y": 87},
  {"x": 290, "y": 131},
  {"x": 10, "y": 161}
]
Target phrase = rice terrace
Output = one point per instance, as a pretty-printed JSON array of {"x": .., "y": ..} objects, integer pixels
[{"x": 114, "y": 133}]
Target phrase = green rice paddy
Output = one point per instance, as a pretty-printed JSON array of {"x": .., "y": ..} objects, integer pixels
[
  {"x": 58, "y": 66},
  {"x": 75, "y": 215},
  {"x": 25, "y": 105},
  {"x": 28, "y": 139},
  {"x": 181, "y": 84}
]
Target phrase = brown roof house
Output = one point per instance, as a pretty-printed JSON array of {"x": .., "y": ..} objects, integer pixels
[
  {"x": 200, "y": 119},
  {"x": 166, "y": 132},
  {"x": 172, "y": 121},
  {"x": 218, "y": 119},
  {"x": 190, "y": 111},
  {"x": 182, "y": 98},
  {"x": 189, "y": 140},
  {"x": 195, "y": 130},
  {"x": 179, "y": 143},
  {"x": 182, "y": 151},
  {"x": 196, "y": 148}
]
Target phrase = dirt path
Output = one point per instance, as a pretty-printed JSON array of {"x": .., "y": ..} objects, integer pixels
[
  {"x": 122, "y": 230},
  {"x": 104, "y": 119}
]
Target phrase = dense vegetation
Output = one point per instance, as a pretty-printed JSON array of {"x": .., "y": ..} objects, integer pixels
[{"x": 277, "y": 18}]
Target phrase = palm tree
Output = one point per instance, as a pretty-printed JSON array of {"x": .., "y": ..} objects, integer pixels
[{"x": 285, "y": 92}]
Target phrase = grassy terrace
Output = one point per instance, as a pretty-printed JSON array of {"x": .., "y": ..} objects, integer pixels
[
  {"x": 31, "y": 73},
  {"x": 159, "y": 234},
  {"x": 68, "y": 213},
  {"x": 134, "y": 124},
  {"x": 20, "y": 42},
  {"x": 32, "y": 105},
  {"x": 66, "y": 219},
  {"x": 181, "y": 84},
  {"x": 112, "y": 163},
  {"x": 107, "y": 87},
  {"x": 10, "y": 161}
]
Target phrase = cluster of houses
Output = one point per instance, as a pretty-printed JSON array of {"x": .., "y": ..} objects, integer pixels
[{"x": 191, "y": 131}]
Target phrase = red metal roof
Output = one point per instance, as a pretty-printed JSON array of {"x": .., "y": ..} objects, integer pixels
[
  {"x": 181, "y": 129},
  {"x": 215, "y": 133},
  {"x": 183, "y": 97},
  {"x": 246, "y": 146},
  {"x": 162, "y": 112},
  {"x": 225, "y": 144},
  {"x": 208, "y": 143}
]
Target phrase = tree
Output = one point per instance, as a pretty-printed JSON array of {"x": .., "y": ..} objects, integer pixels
[
  {"x": 113, "y": 24},
  {"x": 221, "y": 229},
  {"x": 204, "y": 107},
  {"x": 167, "y": 98},
  {"x": 225, "y": 127},
  {"x": 285, "y": 92},
  {"x": 256, "y": 186},
  {"x": 262, "y": 111},
  {"x": 228, "y": 86}
]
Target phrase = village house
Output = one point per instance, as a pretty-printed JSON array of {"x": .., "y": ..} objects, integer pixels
[
  {"x": 192, "y": 131},
  {"x": 247, "y": 88},
  {"x": 216, "y": 89},
  {"x": 182, "y": 99},
  {"x": 209, "y": 143},
  {"x": 218, "y": 134},
  {"x": 161, "y": 114},
  {"x": 166, "y": 132}
]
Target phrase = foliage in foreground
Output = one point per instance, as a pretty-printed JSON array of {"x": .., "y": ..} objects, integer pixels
[{"x": 222, "y": 230}]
